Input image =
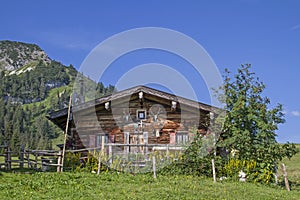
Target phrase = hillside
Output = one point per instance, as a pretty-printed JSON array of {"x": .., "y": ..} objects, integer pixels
[
  {"x": 14, "y": 55},
  {"x": 32, "y": 85}
]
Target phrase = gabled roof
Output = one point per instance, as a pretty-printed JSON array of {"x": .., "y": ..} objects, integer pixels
[{"x": 60, "y": 114}]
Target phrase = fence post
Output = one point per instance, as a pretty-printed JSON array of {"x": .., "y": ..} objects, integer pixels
[
  {"x": 126, "y": 141},
  {"x": 154, "y": 166},
  {"x": 5, "y": 158},
  {"x": 59, "y": 159},
  {"x": 213, "y": 169},
  {"x": 99, "y": 162},
  {"x": 35, "y": 160},
  {"x": 102, "y": 142},
  {"x": 286, "y": 181},
  {"x": 28, "y": 159},
  {"x": 22, "y": 157},
  {"x": 146, "y": 142},
  {"x": 168, "y": 153},
  {"x": 8, "y": 158},
  {"x": 110, "y": 153}
]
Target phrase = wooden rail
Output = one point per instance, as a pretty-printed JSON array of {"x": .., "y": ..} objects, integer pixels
[
  {"x": 32, "y": 159},
  {"x": 43, "y": 159}
]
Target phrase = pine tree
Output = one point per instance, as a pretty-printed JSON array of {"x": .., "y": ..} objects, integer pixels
[
  {"x": 8, "y": 130},
  {"x": 15, "y": 140}
]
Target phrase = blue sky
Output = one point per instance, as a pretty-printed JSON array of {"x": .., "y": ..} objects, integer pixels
[{"x": 263, "y": 33}]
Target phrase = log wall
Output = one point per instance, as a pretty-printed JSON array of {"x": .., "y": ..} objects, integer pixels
[{"x": 121, "y": 117}]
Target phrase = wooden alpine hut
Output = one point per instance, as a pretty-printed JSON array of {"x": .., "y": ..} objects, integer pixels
[{"x": 139, "y": 115}]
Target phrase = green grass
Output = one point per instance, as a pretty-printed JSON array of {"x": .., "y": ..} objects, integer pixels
[
  {"x": 125, "y": 186},
  {"x": 58, "y": 140},
  {"x": 292, "y": 169},
  {"x": 67, "y": 185},
  {"x": 48, "y": 102}
]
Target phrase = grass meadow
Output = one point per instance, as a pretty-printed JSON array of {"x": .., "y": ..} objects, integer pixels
[
  {"x": 125, "y": 186},
  {"x": 112, "y": 185}
]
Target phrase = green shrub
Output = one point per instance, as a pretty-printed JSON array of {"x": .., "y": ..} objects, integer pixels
[
  {"x": 256, "y": 172},
  {"x": 84, "y": 162},
  {"x": 196, "y": 159}
]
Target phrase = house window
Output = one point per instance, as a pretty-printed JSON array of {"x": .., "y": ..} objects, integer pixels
[
  {"x": 101, "y": 138},
  {"x": 182, "y": 138},
  {"x": 141, "y": 114}
]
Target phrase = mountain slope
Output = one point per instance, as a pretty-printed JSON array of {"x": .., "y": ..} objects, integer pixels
[
  {"x": 14, "y": 55},
  {"x": 32, "y": 85}
]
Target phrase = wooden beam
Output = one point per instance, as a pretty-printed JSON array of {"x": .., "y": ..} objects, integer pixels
[{"x": 65, "y": 134}]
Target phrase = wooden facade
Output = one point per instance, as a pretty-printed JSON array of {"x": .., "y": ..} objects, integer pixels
[{"x": 139, "y": 115}]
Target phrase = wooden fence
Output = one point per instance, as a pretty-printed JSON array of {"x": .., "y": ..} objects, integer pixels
[
  {"x": 31, "y": 159},
  {"x": 45, "y": 159}
]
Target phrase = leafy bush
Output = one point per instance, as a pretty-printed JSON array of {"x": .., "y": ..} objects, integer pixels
[
  {"x": 83, "y": 162},
  {"x": 72, "y": 161},
  {"x": 196, "y": 159},
  {"x": 256, "y": 172}
]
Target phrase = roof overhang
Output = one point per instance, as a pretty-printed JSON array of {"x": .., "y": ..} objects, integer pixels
[{"x": 59, "y": 117}]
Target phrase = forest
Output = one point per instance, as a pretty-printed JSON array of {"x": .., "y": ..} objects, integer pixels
[{"x": 29, "y": 92}]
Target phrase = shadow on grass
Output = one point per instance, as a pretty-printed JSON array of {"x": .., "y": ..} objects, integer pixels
[
  {"x": 294, "y": 185},
  {"x": 20, "y": 171}
]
